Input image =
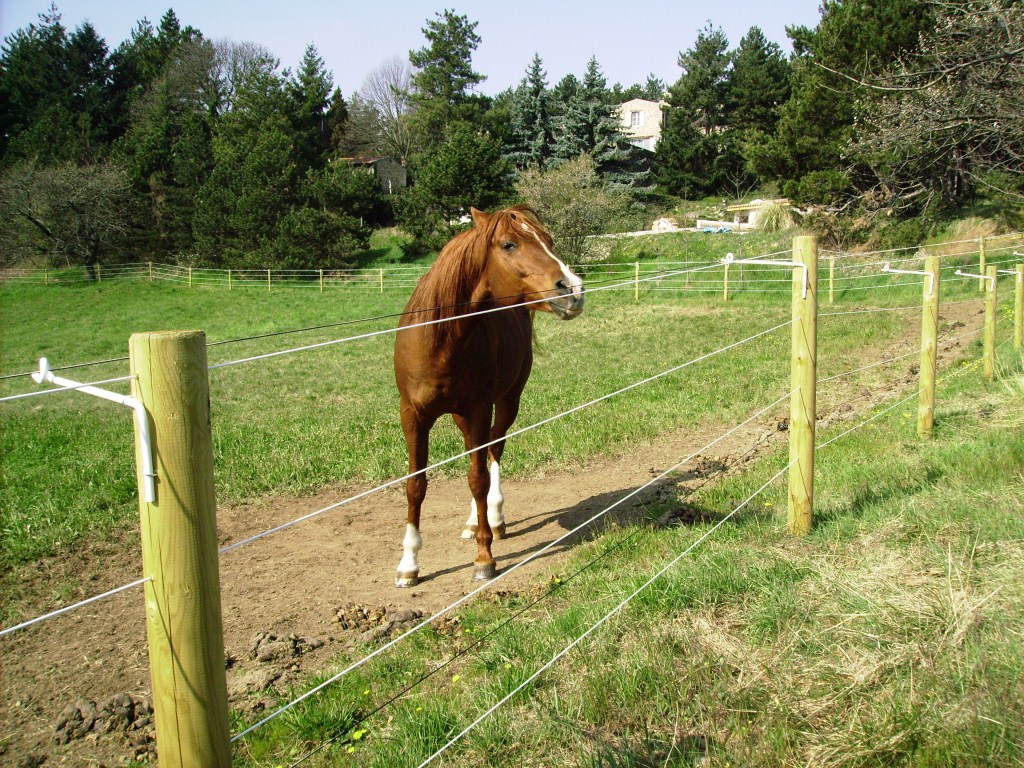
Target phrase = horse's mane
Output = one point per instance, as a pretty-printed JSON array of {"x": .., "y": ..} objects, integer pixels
[{"x": 446, "y": 290}]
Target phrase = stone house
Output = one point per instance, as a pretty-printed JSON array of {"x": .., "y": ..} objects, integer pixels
[{"x": 641, "y": 121}]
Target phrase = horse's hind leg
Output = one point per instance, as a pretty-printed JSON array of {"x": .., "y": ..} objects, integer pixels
[{"x": 417, "y": 431}]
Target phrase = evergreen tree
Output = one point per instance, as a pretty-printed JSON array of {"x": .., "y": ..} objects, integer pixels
[
  {"x": 652, "y": 90},
  {"x": 54, "y": 93},
  {"x": 816, "y": 124},
  {"x": 758, "y": 84},
  {"x": 529, "y": 120},
  {"x": 168, "y": 149},
  {"x": 309, "y": 99},
  {"x": 587, "y": 124},
  {"x": 444, "y": 78},
  {"x": 703, "y": 88},
  {"x": 253, "y": 182},
  {"x": 698, "y": 153},
  {"x": 466, "y": 170}
]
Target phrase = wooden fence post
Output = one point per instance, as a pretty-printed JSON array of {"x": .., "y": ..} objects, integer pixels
[
  {"x": 179, "y": 552},
  {"x": 268, "y": 281},
  {"x": 321, "y": 281},
  {"x": 229, "y": 279},
  {"x": 981, "y": 264},
  {"x": 190, "y": 277},
  {"x": 151, "y": 271},
  {"x": 802, "y": 409},
  {"x": 929, "y": 346},
  {"x": 382, "y": 279},
  {"x": 990, "y": 324},
  {"x": 725, "y": 284},
  {"x": 1018, "y": 307},
  {"x": 831, "y": 279}
]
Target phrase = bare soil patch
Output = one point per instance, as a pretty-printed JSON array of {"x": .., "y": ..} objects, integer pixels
[{"x": 75, "y": 688}]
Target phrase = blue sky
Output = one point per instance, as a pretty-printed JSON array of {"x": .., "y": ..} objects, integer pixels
[{"x": 629, "y": 41}]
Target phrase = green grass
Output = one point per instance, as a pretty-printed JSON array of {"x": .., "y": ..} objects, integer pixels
[
  {"x": 888, "y": 636},
  {"x": 298, "y": 422}
]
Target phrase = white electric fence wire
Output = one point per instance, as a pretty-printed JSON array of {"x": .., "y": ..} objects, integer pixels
[
  {"x": 515, "y": 433},
  {"x": 554, "y": 659},
  {"x": 869, "y": 367},
  {"x": 867, "y": 311},
  {"x": 387, "y": 331},
  {"x": 68, "y": 388},
  {"x": 502, "y": 574},
  {"x": 911, "y": 396},
  {"x": 912, "y": 353},
  {"x": 66, "y": 609}
]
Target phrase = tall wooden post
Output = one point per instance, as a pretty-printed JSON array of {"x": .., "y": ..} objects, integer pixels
[
  {"x": 831, "y": 279},
  {"x": 929, "y": 346},
  {"x": 382, "y": 280},
  {"x": 981, "y": 264},
  {"x": 725, "y": 284},
  {"x": 1018, "y": 307},
  {"x": 321, "y": 281},
  {"x": 989, "y": 364},
  {"x": 802, "y": 409},
  {"x": 229, "y": 279},
  {"x": 151, "y": 271},
  {"x": 190, "y": 277},
  {"x": 268, "y": 281},
  {"x": 179, "y": 552}
]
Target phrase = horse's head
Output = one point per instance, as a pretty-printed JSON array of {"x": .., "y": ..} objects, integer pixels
[{"x": 521, "y": 265}]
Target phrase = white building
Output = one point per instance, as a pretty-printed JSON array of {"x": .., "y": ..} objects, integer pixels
[{"x": 641, "y": 121}]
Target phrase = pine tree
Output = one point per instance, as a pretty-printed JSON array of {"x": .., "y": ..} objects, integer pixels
[
  {"x": 309, "y": 97},
  {"x": 444, "y": 78},
  {"x": 816, "y": 124},
  {"x": 697, "y": 154},
  {"x": 758, "y": 84},
  {"x": 55, "y": 102},
  {"x": 529, "y": 120}
]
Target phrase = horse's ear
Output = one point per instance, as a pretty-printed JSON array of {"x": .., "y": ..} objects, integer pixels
[{"x": 479, "y": 217}]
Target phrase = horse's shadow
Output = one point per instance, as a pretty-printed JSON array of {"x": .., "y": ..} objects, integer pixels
[{"x": 587, "y": 519}]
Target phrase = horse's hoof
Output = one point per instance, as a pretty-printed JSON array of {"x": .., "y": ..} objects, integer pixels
[
  {"x": 469, "y": 532},
  {"x": 407, "y": 580},
  {"x": 498, "y": 531},
  {"x": 485, "y": 572}
]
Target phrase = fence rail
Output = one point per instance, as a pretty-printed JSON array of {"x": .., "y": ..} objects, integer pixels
[{"x": 655, "y": 275}]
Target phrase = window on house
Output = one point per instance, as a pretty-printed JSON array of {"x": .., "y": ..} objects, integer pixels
[{"x": 636, "y": 119}]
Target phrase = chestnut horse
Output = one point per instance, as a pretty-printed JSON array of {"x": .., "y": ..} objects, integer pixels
[{"x": 448, "y": 360}]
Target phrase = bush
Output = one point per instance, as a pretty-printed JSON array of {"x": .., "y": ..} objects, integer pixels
[
  {"x": 574, "y": 203},
  {"x": 821, "y": 187}
]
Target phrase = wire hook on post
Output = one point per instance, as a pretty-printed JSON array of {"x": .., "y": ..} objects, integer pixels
[
  {"x": 44, "y": 374},
  {"x": 929, "y": 275},
  {"x": 990, "y": 278},
  {"x": 730, "y": 259}
]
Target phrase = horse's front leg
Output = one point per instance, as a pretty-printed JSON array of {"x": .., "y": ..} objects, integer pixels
[
  {"x": 476, "y": 430},
  {"x": 417, "y": 432},
  {"x": 495, "y": 505}
]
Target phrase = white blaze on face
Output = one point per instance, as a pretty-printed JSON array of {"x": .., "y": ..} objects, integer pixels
[{"x": 571, "y": 278}]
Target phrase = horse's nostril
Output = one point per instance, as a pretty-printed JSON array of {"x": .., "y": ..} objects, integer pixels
[{"x": 563, "y": 286}]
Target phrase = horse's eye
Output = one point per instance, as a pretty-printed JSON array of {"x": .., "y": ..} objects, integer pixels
[{"x": 508, "y": 245}]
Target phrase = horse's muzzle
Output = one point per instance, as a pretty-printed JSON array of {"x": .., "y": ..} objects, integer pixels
[{"x": 569, "y": 303}]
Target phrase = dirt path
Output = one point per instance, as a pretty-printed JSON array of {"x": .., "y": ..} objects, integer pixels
[{"x": 75, "y": 677}]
